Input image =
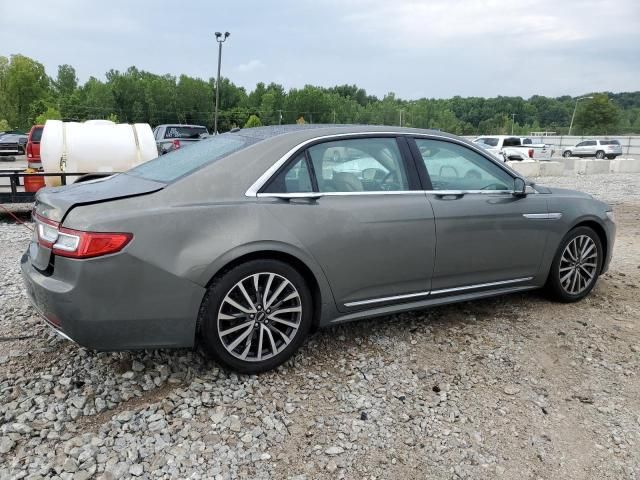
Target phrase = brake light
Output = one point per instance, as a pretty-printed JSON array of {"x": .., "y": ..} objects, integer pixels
[
  {"x": 72, "y": 243},
  {"x": 531, "y": 153},
  {"x": 29, "y": 150},
  {"x": 176, "y": 143}
]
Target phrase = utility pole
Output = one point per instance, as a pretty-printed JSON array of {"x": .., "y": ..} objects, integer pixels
[
  {"x": 513, "y": 121},
  {"x": 400, "y": 112},
  {"x": 574, "y": 112},
  {"x": 334, "y": 117},
  {"x": 279, "y": 117},
  {"x": 220, "y": 38}
]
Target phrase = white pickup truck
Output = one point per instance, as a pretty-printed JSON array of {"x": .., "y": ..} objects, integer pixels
[{"x": 507, "y": 147}]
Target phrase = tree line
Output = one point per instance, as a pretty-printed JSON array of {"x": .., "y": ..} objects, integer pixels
[{"x": 28, "y": 95}]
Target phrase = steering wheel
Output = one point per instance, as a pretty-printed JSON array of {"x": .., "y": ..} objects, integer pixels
[{"x": 390, "y": 181}]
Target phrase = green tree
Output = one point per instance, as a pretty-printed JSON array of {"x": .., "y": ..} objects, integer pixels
[
  {"x": 4, "y": 125},
  {"x": 24, "y": 82},
  {"x": 597, "y": 115},
  {"x": 66, "y": 82},
  {"x": 253, "y": 121},
  {"x": 50, "y": 114}
]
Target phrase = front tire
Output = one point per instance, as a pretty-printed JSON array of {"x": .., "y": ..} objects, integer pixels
[
  {"x": 255, "y": 316},
  {"x": 566, "y": 154},
  {"x": 576, "y": 266}
]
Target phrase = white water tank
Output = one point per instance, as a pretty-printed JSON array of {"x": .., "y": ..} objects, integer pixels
[{"x": 94, "y": 146}]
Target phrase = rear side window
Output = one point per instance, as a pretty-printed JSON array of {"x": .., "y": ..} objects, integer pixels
[
  {"x": 294, "y": 179},
  {"x": 182, "y": 132},
  {"x": 36, "y": 135},
  {"x": 609, "y": 142},
  {"x": 357, "y": 165},
  {"x": 184, "y": 161}
]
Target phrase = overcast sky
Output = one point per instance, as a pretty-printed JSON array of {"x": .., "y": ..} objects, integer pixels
[{"x": 431, "y": 48}]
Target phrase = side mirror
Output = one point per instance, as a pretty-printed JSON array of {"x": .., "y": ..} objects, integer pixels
[{"x": 519, "y": 187}]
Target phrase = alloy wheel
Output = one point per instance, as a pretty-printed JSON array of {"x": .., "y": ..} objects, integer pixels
[
  {"x": 259, "y": 316},
  {"x": 578, "y": 265}
]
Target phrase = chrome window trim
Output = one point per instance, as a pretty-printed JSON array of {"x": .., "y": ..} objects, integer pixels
[
  {"x": 543, "y": 216},
  {"x": 436, "y": 292},
  {"x": 253, "y": 190},
  {"x": 385, "y": 192}
]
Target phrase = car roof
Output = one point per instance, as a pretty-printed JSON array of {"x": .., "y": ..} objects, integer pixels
[{"x": 311, "y": 131}]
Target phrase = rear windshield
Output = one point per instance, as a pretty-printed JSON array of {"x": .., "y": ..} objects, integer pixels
[
  {"x": 183, "y": 161},
  {"x": 36, "y": 135},
  {"x": 492, "y": 142},
  {"x": 609, "y": 142},
  {"x": 178, "y": 131}
]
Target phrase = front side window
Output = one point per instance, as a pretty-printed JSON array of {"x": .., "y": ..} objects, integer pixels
[
  {"x": 454, "y": 167},
  {"x": 359, "y": 165},
  {"x": 296, "y": 178}
]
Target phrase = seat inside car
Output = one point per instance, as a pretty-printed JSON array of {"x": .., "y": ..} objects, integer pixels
[{"x": 347, "y": 182}]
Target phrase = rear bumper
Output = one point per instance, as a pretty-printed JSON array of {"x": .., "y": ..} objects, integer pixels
[{"x": 115, "y": 302}]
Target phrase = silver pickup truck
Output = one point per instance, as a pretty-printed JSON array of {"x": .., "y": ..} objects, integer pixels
[
  {"x": 173, "y": 136},
  {"x": 509, "y": 147}
]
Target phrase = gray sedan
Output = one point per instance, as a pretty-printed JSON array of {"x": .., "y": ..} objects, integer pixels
[{"x": 248, "y": 241}]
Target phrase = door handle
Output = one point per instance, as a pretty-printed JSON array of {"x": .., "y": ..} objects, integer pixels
[{"x": 449, "y": 194}]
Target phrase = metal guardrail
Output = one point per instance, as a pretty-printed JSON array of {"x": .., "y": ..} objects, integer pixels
[{"x": 14, "y": 176}]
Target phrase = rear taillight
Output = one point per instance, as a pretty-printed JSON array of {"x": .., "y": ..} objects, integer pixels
[
  {"x": 531, "y": 153},
  {"x": 29, "y": 150},
  {"x": 71, "y": 243},
  {"x": 176, "y": 143}
]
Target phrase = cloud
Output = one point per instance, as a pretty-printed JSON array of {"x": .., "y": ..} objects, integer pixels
[{"x": 250, "y": 66}]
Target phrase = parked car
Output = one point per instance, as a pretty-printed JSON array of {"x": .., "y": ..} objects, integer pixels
[
  {"x": 594, "y": 148},
  {"x": 247, "y": 241},
  {"x": 515, "y": 148},
  {"x": 13, "y": 144},
  {"x": 33, "y": 147},
  {"x": 174, "y": 136}
]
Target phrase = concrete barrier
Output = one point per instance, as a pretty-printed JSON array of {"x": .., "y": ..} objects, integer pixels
[
  {"x": 527, "y": 168},
  {"x": 588, "y": 166},
  {"x": 625, "y": 165},
  {"x": 552, "y": 169},
  {"x": 569, "y": 162}
]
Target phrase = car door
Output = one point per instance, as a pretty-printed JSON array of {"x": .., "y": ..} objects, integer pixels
[
  {"x": 356, "y": 205},
  {"x": 579, "y": 149},
  {"x": 590, "y": 147},
  {"x": 485, "y": 234}
]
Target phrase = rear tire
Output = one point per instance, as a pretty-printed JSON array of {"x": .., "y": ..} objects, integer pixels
[
  {"x": 566, "y": 154},
  {"x": 600, "y": 154},
  {"x": 255, "y": 316},
  {"x": 576, "y": 266}
]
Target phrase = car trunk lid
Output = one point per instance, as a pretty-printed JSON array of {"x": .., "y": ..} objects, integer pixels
[{"x": 53, "y": 204}]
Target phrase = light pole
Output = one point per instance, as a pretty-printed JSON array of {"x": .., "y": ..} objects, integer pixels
[
  {"x": 513, "y": 121},
  {"x": 574, "y": 112},
  {"x": 220, "y": 38}
]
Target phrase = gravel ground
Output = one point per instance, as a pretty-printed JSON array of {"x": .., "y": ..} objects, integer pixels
[{"x": 514, "y": 387}]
